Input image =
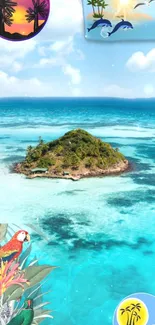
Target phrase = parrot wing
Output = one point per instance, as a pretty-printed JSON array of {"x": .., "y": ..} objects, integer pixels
[
  {"x": 17, "y": 320},
  {"x": 24, "y": 318},
  {"x": 7, "y": 256}
]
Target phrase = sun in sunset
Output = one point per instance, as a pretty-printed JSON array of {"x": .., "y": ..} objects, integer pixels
[
  {"x": 123, "y": 7},
  {"x": 19, "y": 15}
]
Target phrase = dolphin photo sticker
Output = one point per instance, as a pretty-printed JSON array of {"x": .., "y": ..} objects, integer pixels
[
  {"x": 136, "y": 309},
  {"x": 119, "y": 20},
  {"x": 25, "y": 279},
  {"x": 22, "y": 19}
]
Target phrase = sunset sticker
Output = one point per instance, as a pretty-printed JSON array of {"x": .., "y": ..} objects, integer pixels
[{"x": 21, "y": 20}]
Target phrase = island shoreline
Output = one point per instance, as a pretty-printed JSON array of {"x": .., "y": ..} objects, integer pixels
[{"x": 121, "y": 168}]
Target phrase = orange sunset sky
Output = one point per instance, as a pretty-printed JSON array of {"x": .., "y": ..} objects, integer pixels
[{"x": 20, "y": 25}]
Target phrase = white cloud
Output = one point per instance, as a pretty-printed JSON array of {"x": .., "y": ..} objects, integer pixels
[
  {"x": 149, "y": 90},
  {"x": 76, "y": 92},
  {"x": 65, "y": 19},
  {"x": 117, "y": 91},
  {"x": 11, "y": 86},
  {"x": 51, "y": 61},
  {"x": 12, "y": 52},
  {"x": 63, "y": 47},
  {"x": 17, "y": 49},
  {"x": 139, "y": 61},
  {"x": 42, "y": 51},
  {"x": 73, "y": 73},
  {"x": 17, "y": 66},
  {"x": 60, "y": 56},
  {"x": 60, "y": 53}
]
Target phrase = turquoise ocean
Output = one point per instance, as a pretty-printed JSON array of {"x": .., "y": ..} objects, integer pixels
[{"x": 100, "y": 231}]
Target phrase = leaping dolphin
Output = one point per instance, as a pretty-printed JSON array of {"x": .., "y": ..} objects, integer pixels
[
  {"x": 121, "y": 25},
  {"x": 100, "y": 23}
]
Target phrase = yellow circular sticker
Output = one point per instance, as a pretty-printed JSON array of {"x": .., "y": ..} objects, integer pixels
[{"x": 137, "y": 309}]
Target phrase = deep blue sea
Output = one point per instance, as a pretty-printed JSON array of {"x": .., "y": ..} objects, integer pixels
[{"x": 101, "y": 231}]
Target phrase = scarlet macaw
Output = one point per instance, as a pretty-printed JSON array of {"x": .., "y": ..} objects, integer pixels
[{"x": 13, "y": 248}]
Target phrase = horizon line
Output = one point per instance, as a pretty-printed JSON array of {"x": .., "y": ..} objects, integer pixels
[{"x": 78, "y": 97}]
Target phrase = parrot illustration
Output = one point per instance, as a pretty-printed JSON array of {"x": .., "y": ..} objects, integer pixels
[
  {"x": 25, "y": 317},
  {"x": 11, "y": 250}
]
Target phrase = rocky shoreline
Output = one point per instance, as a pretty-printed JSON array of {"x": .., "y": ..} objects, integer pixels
[{"x": 118, "y": 169}]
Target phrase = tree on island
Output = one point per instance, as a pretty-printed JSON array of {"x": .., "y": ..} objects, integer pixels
[
  {"x": 100, "y": 4},
  {"x": 92, "y": 3},
  {"x": 6, "y": 13},
  {"x": 39, "y": 9}
]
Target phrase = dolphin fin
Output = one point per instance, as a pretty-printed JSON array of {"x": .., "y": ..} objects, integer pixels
[
  {"x": 88, "y": 29},
  {"x": 122, "y": 19}
]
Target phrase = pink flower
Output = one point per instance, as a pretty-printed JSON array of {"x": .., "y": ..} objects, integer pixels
[{"x": 10, "y": 275}]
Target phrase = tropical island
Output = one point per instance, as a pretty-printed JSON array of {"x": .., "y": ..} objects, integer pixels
[{"x": 75, "y": 155}]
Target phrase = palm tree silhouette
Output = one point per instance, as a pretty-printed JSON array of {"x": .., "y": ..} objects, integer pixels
[
  {"x": 39, "y": 9},
  {"x": 134, "y": 313},
  {"x": 93, "y": 3},
  {"x": 6, "y": 12},
  {"x": 127, "y": 311},
  {"x": 102, "y": 5},
  {"x": 137, "y": 318}
]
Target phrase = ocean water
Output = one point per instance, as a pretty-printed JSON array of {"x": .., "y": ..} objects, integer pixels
[{"x": 101, "y": 231}]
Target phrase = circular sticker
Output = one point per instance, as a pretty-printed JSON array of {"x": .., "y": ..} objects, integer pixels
[
  {"x": 22, "y": 19},
  {"x": 136, "y": 309}
]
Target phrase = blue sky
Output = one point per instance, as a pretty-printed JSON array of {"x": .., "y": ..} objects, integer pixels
[{"x": 61, "y": 62}]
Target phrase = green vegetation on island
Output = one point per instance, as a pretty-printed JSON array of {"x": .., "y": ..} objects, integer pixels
[{"x": 75, "y": 155}]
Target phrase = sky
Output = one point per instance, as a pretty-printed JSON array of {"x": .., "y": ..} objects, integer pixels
[{"x": 60, "y": 62}]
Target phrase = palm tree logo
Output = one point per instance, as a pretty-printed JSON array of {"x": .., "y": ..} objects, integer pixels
[
  {"x": 132, "y": 311},
  {"x": 98, "y": 7},
  {"x": 6, "y": 13},
  {"x": 39, "y": 9},
  {"x": 132, "y": 315}
]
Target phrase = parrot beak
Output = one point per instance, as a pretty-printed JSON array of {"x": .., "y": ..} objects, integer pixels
[
  {"x": 29, "y": 303},
  {"x": 27, "y": 238}
]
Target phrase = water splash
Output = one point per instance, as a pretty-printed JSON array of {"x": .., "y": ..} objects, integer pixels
[{"x": 105, "y": 32}]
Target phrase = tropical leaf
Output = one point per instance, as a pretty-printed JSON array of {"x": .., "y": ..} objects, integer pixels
[
  {"x": 33, "y": 274},
  {"x": 32, "y": 293},
  {"x": 41, "y": 312},
  {"x": 34, "y": 261},
  {"x": 36, "y": 273},
  {"x": 24, "y": 256},
  {"x": 43, "y": 316},
  {"x": 37, "y": 230},
  {"x": 2, "y": 322},
  {"x": 13, "y": 293},
  {"x": 41, "y": 305},
  {"x": 3, "y": 231},
  {"x": 36, "y": 299}
]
